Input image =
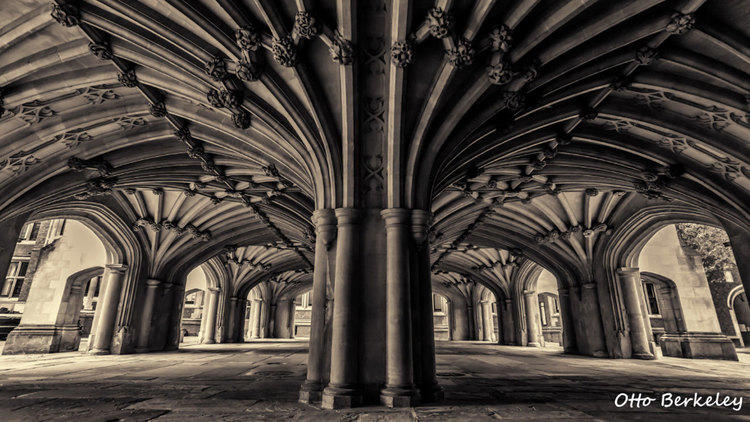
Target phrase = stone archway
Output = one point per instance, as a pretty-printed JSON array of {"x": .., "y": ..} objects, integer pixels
[
  {"x": 739, "y": 309},
  {"x": 61, "y": 311}
]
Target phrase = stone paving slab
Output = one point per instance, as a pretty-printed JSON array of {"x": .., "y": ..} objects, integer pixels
[{"x": 247, "y": 382}]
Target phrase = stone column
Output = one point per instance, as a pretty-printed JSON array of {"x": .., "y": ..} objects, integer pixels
[
  {"x": 148, "y": 310},
  {"x": 428, "y": 387},
  {"x": 88, "y": 302},
  {"x": 325, "y": 234},
  {"x": 630, "y": 282},
  {"x": 568, "y": 327},
  {"x": 532, "y": 318},
  {"x": 500, "y": 323},
  {"x": 471, "y": 321},
  {"x": 488, "y": 326},
  {"x": 460, "y": 314},
  {"x": 399, "y": 388},
  {"x": 264, "y": 319},
  {"x": 593, "y": 316},
  {"x": 115, "y": 274},
  {"x": 449, "y": 313},
  {"x": 255, "y": 317},
  {"x": 213, "y": 307},
  {"x": 342, "y": 390},
  {"x": 509, "y": 332},
  {"x": 204, "y": 309},
  {"x": 232, "y": 322}
]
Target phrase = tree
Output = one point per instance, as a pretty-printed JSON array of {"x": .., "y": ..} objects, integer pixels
[{"x": 712, "y": 244}]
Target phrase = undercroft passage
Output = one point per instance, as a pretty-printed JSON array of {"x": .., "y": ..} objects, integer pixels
[{"x": 329, "y": 203}]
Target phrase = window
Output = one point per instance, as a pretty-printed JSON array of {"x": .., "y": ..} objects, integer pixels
[
  {"x": 543, "y": 313},
  {"x": 436, "y": 303},
  {"x": 14, "y": 279},
  {"x": 651, "y": 301},
  {"x": 29, "y": 232},
  {"x": 728, "y": 277}
]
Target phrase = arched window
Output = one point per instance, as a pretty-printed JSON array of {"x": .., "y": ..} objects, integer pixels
[{"x": 651, "y": 300}]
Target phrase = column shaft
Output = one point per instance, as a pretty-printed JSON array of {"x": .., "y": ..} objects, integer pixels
[
  {"x": 325, "y": 229},
  {"x": 630, "y": 282},
  {"x": 342, "y": 390},
  {"x": 399, "y": 388},
  {"x": 148, "y": 311},
  {"x": 568, "y": 328},
  {"x": 108, "y": 309},
  {"x": 509, "y": 331},
  {"x": 590, "y": 302},
  {"x": 213, "y": 302},
  {"x": 232, "y": 323},
  {"x": 532, "y": 318}
]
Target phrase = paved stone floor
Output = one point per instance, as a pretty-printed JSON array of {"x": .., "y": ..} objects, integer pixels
[{"x": 260, "y": 380}]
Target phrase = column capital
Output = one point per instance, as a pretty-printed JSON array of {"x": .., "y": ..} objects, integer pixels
[
  {"x": 233, "y": 299},
  {"x": 508, "y": 301},
  {"x": 347, "y": 215},
  {"x": 395, "y": 216},
  {"x": 153, "y": 282},
  {"x": 628, "y": 270},
  {"x": 117, "y": 268},
  {"x": 590, "y": 286},
  {"x": 420, "y": 224},
  {"x": 323, "y": 217},
  {"x": 214, "y": 289},
  {"x": 168, "y": 286},
  {"x": 528, "y": 292}
]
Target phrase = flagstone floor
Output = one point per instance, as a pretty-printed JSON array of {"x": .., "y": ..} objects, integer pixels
[{"x": 260, "y": 381}]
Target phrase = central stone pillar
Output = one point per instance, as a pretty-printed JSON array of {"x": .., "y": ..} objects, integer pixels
[
  {"x": 630, "y": 282},
  {"x": 593, "y": 318},
  {"x": 429, "y": 390},
  {"x": 532, "y": 318},
  {"x": 342, "y": 390},
  {"x": 509, "y": 332},
  {"x": 399, "y": 390},
  {"x": 255, "y": 317},
  {"x": 148, "y": 310},
  {"x": 568, "y": 328},
  {"x": 325, "y": 230},
  {"x": 232, "y": 323},
  {"x": 213, "y": 307},
  {"x": 115, "y": 275}
]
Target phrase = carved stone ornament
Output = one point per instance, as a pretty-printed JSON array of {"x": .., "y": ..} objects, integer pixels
[
  {"x": 645, "y": 55},
  {"x": 402, "y": 53},
  {"x": 680, "y": 23},
  {"x": 241, "y": 118},
  {"x": 499, "y": 73},
  {"x": 462, "y": 54},
  {"x": 440, "y": 22},
  {"x": 216, "y": 68},
  {"x": 128, "y": 79},
  {"x": 157, "y": 109},
  {"x": 214, "y": 98},
  {"x": 515, "y": 101},
  {"x": 305, "y": 25},
  {"x": 500, "y": 39},
  {"x": 342, "y": 50},
  {"x": 102, "y": 50},
  {"x": 97, "y": 186},
  {"x": 248, "y": 38},
  {"x": 101, "y": 166},
  {"x": 183, "y": 134},
  {"x": 66, "y": 14},
  {"x": 284, "y": 51},
  {"x": 248, "y": 71}
]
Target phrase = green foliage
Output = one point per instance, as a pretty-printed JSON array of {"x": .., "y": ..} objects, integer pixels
[{"x": 712, "y": 244}]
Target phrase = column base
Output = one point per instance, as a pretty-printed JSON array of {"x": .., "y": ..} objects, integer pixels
[
  {"x": 209, "y": 341},
  {"x": 310, "y": 392},
  {"x": 599, "y": 354},
  {"x": 340, "y": 398},
  {"x": 99, "y": 352},
  {"x": 399, "y": 397},
  {"x": 533, "y": 344},
  {"x": 644, "y": 356},
  {"x": 142, "y": 350}
]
